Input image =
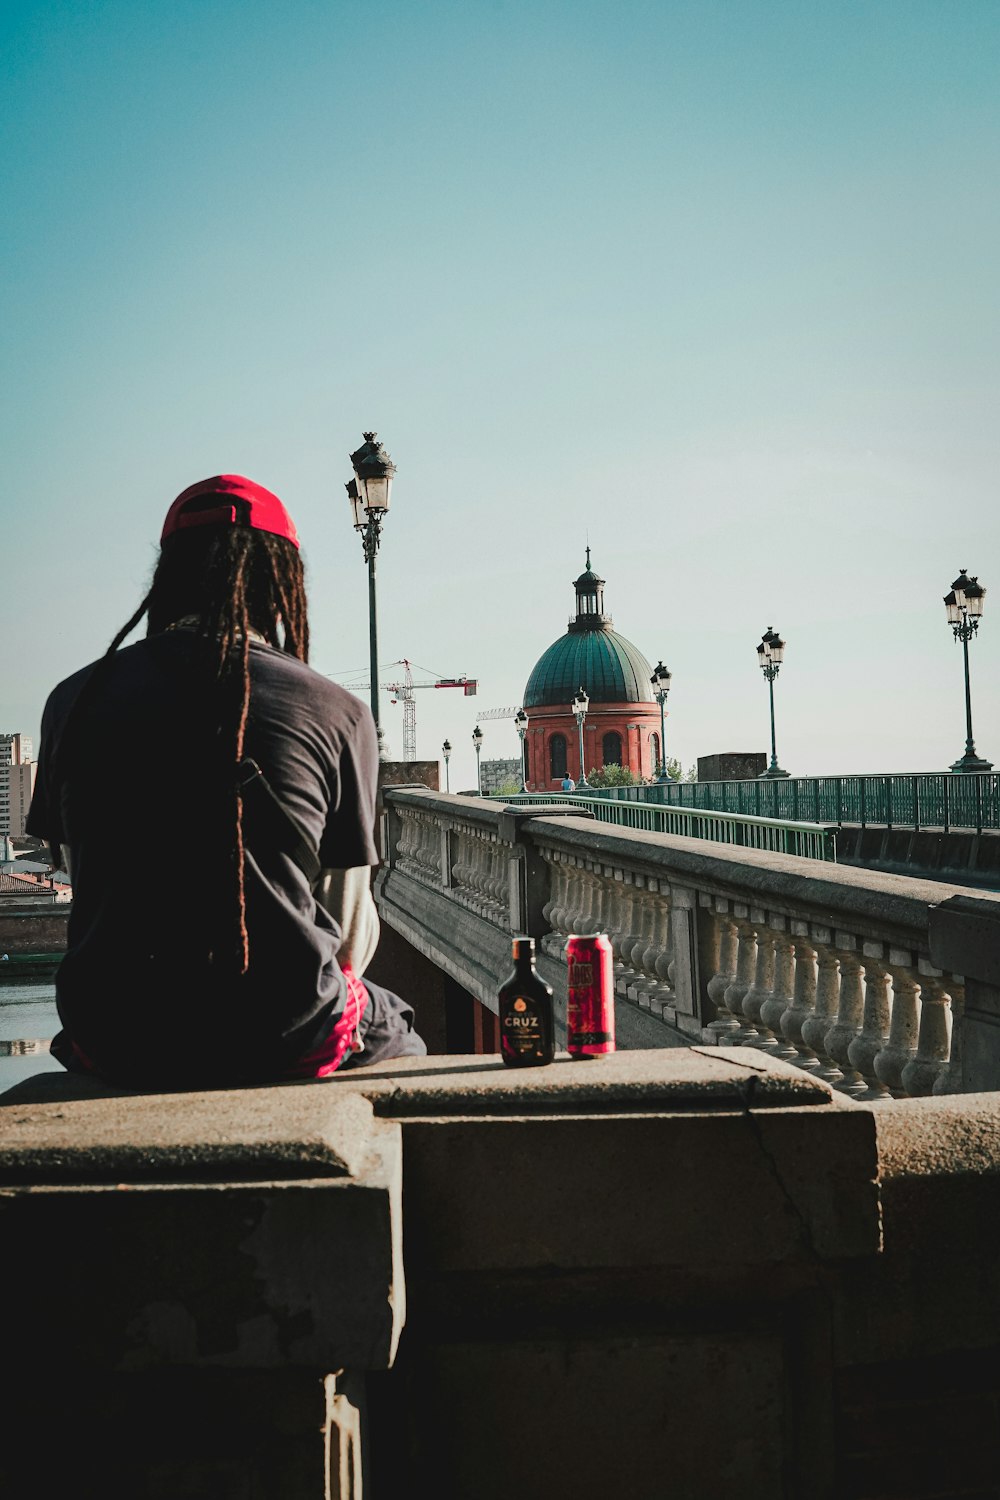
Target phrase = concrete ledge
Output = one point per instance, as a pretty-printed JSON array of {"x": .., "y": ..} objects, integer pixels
[
  {"x": 220, "y": 1136},
  {"x": 253, "y": 1229},
  {"x": 667, "y": 1080},
  {"x": 947, "y": 1136},
  {"x": 668, "y": 1158}
]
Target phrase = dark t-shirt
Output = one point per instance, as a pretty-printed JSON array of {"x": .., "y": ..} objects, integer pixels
[{"x": 144, "y": 799}]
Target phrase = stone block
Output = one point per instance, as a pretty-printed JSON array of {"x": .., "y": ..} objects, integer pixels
[
  {"x": 183, "y": 1434},
  {"x": 593, "y": 1417},
  {"x": 965, "y": 937},
  {"x": 672, "y": 1158},
  {"x": 252, "y": 1229}
]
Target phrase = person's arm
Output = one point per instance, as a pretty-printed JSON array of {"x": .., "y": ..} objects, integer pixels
[{"x": 347, "y": 896}]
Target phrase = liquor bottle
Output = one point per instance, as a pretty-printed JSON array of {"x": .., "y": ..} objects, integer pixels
[{"x": 527, "y": 1025}]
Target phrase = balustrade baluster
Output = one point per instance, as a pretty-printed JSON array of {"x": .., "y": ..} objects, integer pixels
[
  {"x": 746, "y": 963},
  {"x": 655, "y": 992},
  {"x": 663, "y": 964},
  {"x": 640, "y": 987},
  {"x": 774, "y": 1006},
  {"x": 760, "y": 990},
  {"x": 824, "y": 1015},
  {"x": 874, "y": 1033},
  {"x": 638, "y": 945},
  {"x": 796, "y": 1049},
  {"x": 590, "y": 916},
  {"x": 487, "y": 879},
  {"x": 459, "y": 874},
  {"x": 551, "y": 911},
  {"x": 501, "y": 879},
  {"x": 619, "y": 924},
  {"x": 904, "y": 1021},
  {"x": 615, "y": 917},
  {"x": 475, "y": 872},
  {"x": 549, "y": 905},
  {"x": 575, "y": 899},
  {"x": 949, "y": 1080},
  {"x": 850, "y": 1015},
  {"x": 934, "y": 1034},
  {"x": 724, "y": 945},
  {"x": 495, "y": 881}
]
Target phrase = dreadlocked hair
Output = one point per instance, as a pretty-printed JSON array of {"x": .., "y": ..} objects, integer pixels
[{"x": 227, "y": 581}]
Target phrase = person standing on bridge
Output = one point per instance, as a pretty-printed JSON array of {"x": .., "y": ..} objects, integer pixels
[{"x": 214, "y": 801}]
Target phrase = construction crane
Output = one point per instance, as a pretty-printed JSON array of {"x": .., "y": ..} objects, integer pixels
[
  {"x": 498, "y": 713},
  {"x": 403, "y": 691}
]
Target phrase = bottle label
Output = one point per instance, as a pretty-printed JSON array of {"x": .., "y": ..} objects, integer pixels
[{"x": 521, "y": 1033}]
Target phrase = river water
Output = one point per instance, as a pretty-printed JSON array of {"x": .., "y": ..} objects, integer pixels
[{"x": 28, "y": 1022}]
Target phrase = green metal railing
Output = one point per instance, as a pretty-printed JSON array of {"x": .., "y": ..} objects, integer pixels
[
  {"x": 928, "y": 799},
  {"x": 747, "y": 832}
]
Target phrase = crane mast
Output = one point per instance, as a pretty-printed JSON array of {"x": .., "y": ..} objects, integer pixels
[{"x": 403, "y": 692}]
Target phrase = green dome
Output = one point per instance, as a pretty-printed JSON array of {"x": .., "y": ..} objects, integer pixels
[{"x": 601, "y": 660}]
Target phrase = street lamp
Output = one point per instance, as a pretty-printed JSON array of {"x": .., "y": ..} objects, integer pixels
[
  {"x": 770, "y": 655},
  {"x": 964, "y": 605},
  {"x": 661, "y": 687},
  {"x": 446, "y": 752},
  {"x": 521, "y": 725},
  {"x": 368, "y": 493},
  {"x": 580, "y": 705},
  {"x": 477, "y": 740}
]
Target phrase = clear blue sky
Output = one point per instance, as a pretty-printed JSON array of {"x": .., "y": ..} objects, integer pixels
[{"x": 715, "y": 282}]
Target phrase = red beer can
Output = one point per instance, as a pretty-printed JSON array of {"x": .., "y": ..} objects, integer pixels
[{"x": 590, "y": 1009}]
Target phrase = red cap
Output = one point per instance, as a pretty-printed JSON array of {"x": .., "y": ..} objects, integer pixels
[{"x": 257, "y": 508}]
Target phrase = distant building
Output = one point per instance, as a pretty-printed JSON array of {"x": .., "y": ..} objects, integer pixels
[
  {"x": 498, "y": 773},
  {"x": 623, "y": 721},
  {"x": 17, "y": 782},
  {"x": 32, "y": 890},
  {"x": 734, "y": 765}
]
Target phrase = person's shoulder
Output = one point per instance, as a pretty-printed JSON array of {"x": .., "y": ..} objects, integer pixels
[
  {"x": 335, "y": 701},
  {"x": 64, "y": 694}
]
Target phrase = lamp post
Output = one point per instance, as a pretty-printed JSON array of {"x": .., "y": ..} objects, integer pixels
[
  {"x": 446, "y": 752},
  {"x": 580, "y": 705},
  {"x": 521, "y": 725},
  {"x": 661, "y": 687},
  {"x": 964, "y": 605},
  {"x": 369, "y": 492},
  {"x": 770, "y": 655},
  {"x": 477, "y": 740}
]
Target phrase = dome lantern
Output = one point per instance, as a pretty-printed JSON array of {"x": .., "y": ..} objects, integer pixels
[
  {"x": 589, "y": 601},
  {"x": 590, "y": 652}
]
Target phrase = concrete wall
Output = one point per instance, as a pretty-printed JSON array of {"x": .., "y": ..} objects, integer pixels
[
  {"x": 962, "y": 855},
  {"x": 42, "y": 930},
  {"x": 687, "y": 1273}
]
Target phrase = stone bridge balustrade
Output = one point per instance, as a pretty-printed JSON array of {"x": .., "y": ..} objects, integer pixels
[{"x": 850, "y": 975}]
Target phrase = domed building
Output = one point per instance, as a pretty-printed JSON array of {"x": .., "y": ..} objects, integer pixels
[{"x": 622, "y": 727}]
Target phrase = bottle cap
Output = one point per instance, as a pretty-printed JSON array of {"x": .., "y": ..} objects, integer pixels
[{"x": 522, "y": 945}]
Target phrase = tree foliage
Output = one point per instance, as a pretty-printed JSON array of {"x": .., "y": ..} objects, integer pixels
[{"x": 612, "y": 776}]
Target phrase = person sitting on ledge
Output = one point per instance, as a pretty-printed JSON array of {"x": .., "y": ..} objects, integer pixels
[{"x": 214, "y": 801}]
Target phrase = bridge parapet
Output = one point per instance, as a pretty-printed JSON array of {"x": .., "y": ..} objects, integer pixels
[{"x": 869, "y": 981}]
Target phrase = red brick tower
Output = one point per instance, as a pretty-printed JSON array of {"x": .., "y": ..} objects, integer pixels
[{"x": 623, "y": 720}]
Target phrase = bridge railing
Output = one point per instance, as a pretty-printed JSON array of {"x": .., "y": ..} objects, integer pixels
[
  {"x": 853, "y": 975},
  {"x": 808, "y": 840},
  {"x": 913, "y": 799}
]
